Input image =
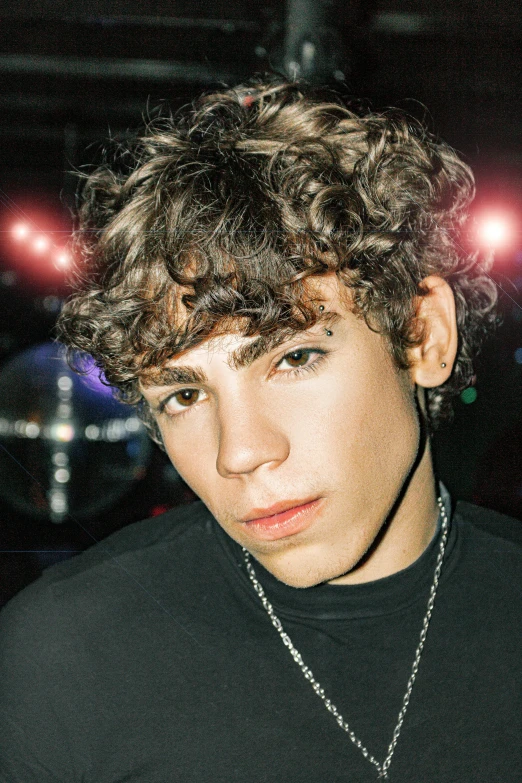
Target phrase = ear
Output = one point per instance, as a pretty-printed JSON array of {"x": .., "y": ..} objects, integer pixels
[{"x": 438, "y": 324}]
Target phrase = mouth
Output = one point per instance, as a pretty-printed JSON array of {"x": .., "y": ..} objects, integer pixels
[{"x": 281, "y": 520}]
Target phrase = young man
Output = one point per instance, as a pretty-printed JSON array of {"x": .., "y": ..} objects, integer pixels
[{"x": 282, "y": 287}]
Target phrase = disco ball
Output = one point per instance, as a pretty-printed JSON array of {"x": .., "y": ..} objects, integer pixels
[{"x": 67, "y": 447}]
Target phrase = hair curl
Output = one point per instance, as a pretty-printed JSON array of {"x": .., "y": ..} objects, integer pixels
[{"x": 218, "y": 216}]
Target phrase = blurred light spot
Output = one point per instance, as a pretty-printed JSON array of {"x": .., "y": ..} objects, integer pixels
[
  {"x": 21, "y": 231},
  {"x": 64, "y": 410},
  {"x": 294, "y": 69},
  {"x": 20, "y": 426},
  {"x": 8, "y": 278},
  {"x": 115, "y": 430},
  {"x": 62, "y": 432},
  {"x": 62, "y": 259},
  {"x": 58, "y": 501},
  {"x": 41, "y": 244},
  {"x": 518, "y": 356},
  {"x": 62, "y": 475},
  {"x": 133, "y": 424},
  {"x": 469, "y": 395},
  {"x": 64, "y": 382},
  {"x": 52, "y": 304},
  {"x": 307, "y": 54},
  {"x": 495, "y": 231},
  {"x": 92, "y": 432},
  {"x": 32, "y": 430},
  {"x": 60, "y": 459}
]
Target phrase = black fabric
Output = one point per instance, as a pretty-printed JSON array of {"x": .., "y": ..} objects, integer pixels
[{"x": 149, "y": 659}]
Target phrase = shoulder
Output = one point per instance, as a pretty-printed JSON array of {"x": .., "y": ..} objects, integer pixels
[
  {"x": 488, "y": 524},
  {"x": 491, "y": 548},
  {"x": 107, "y": 568}
]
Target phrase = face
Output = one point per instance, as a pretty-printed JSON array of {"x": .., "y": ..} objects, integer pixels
[{"x": 301, "y": 453}]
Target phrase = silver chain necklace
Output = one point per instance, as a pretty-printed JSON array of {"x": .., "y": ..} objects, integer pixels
[{"x": 308, "y": 674}]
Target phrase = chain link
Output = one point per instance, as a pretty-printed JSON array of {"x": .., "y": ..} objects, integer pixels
[{"x": 383, "y": 768}]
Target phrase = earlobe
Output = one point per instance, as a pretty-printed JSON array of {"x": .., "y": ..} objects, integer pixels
[{"x": 433, "y": 358}]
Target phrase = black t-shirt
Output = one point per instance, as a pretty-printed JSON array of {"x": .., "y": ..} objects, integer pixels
[{"x": 149, "y": 659}]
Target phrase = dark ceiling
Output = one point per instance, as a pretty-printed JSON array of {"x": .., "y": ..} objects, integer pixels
[{"x": 69, "y": 72}]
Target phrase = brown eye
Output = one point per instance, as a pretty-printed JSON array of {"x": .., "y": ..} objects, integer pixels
[
  {"x": 186, "y": 397},
  {"x": 298, "y": 358}
]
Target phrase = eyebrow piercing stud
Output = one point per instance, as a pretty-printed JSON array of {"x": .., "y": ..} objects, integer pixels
[{"x": 328, "y": 331}]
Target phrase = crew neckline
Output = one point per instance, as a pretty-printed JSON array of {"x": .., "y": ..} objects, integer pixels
[{"x": 337, "y": 601}]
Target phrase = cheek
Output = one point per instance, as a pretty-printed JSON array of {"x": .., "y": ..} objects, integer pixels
[
  {"x": 190, "y": 456},
  {"x": 387, "y": 437},
  {"x": 373, "y": 424}
]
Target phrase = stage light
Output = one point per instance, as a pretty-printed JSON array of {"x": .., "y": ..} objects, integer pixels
[
  {"x": 495, "y": 231},
  {"x": 62, "y": 432},
  {"x": 41, "y": 244},
  {"x": 32, "y": 430},
  {"x": 62, "y": 259},
  {"x": 62, "y": 475},
  {"x": 21, "y": 231},
  {"x": 62, "y": 452}
]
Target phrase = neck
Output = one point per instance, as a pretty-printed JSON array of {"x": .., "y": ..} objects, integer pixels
[{"x": 407, "y": 531}]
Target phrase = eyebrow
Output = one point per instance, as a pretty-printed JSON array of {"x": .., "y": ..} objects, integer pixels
[{"x": 240, "y": 358}]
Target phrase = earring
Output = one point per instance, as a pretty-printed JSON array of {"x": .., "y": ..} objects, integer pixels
[
  {"x": 321, "y": 308},
  {"x": 328, "y": 333},
  {"x": 443, "y": 364}
]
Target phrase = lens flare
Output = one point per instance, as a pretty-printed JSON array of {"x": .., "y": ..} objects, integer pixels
[
  {"x": 62, "y": 259},
  {"x": 62, "y": 432},
  {"x": 21, "y": 231},
  {"x": 495, "y": 231},
  {"x": 41, "y": 244}
]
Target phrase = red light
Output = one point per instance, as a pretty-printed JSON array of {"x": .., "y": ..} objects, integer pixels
[
  {"x": 495, "y": 231},
  {"x": 21, "y": 231},
  {"x": 36, "y": 246},
  {"x": 41, "y": 244},
  {"x": 62, "y": 259}
]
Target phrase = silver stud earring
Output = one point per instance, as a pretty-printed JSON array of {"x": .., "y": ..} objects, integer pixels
[
  {"x": 443, "y": 364},
  {"x": 321, "y": 308},
  {"x": 328, "y": 333}
]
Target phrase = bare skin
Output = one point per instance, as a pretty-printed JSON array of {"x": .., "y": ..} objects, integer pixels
[{"x": 325, "y": 418}]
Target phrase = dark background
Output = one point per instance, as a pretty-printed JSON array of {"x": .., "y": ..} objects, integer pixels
[{"x": 72, "y": 73}]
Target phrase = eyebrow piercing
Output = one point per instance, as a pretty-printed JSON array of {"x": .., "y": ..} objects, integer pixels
[
  {"x": 443, "y": 364},
  {"x": 328, "y": 331}
]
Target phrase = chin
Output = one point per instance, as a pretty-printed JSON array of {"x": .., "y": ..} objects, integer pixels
[
  {"x": 309, "y": 566},
  {"x": 303, "y": 576}
]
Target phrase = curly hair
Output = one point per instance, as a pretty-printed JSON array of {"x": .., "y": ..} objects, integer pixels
[{"x": 217, "y": 217}]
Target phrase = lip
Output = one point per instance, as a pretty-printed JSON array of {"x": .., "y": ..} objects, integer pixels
[{"x": 282, "y": 519}]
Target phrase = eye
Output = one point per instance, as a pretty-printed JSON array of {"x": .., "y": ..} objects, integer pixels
[
  {"x": 298, "y": 358},
  {"x": 180, "y": 400}
]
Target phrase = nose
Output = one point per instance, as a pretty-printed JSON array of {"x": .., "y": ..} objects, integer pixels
[{"x": 249, "y": 438}]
